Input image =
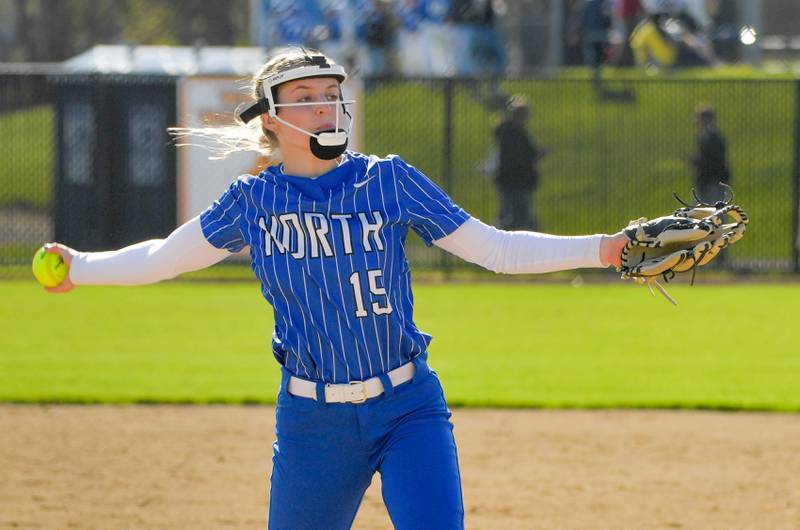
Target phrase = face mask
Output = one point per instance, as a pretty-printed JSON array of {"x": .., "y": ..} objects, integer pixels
[
  {"x": 337, "y": 144},
  {"x": 325, "y": 145}
]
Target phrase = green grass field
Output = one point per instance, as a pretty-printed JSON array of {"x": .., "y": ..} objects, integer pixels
[{"x": 505, "y": 344}]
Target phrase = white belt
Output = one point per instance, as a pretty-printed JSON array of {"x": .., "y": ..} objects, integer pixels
[{"x": 354, "y": 391}]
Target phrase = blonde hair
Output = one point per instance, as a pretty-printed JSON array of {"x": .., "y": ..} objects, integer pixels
[{"x": 252, "y": 136}]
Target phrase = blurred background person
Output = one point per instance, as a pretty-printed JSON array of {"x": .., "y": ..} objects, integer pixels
[
  {"x": 330, "y": 34},
  {"x": 625, "y": 15},
  {"x": 292, "y": 27},
  {"x": 377, "y": 30},
  {"x": 672, "y": 35},
  {"x": 474, "y": 22},
  {"x": 664, "y": 42},
  {"x": 696, "y": 18},
  {"x": 436, "y": 33},
  {"x": 411, "y": 47},
  {"x": 595, "y": 23},
  {"x": 710, "y": 162},
  {"x": 517, "y": 174}
]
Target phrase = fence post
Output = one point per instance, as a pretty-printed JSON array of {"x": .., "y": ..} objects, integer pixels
[
  {"x": 447, "y": 169},
  {"x": 796, "y": 181}
]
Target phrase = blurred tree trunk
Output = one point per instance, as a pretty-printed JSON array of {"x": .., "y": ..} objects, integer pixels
[
  {"x": 209, "y": 22},
  {"x": 218, "y": 27},
  {"x": 54, "y": 30},
  {"x": 98, "y": 21},
  {"x": 54, "y": 43},
  {"x": 24, "y": 32}
]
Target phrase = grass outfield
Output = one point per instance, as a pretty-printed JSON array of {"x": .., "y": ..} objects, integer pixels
[{"x": 505, "y": 344}]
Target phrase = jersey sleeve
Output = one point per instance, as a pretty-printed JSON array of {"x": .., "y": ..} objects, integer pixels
[
  {"x": 429, "y": 211},
  {"x": 221, "y": 222}
]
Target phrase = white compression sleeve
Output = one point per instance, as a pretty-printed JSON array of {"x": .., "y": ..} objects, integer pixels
[
  {"x": 186, "y": 249},
  {"x": 520, "y": 252}
]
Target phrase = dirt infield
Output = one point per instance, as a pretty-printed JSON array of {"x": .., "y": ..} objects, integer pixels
[{"x": 206, "y": 467}]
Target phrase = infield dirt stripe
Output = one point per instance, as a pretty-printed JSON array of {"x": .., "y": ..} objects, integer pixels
[{"x": 173, "y": 467}]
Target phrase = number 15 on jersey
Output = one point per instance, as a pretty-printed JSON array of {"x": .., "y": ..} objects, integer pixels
[{"x": 374, "y": 290}]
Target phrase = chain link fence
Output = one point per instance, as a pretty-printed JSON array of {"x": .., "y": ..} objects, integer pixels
[
  {"x": 27, "y": 165},
  {"x": 614, "y": 152}
]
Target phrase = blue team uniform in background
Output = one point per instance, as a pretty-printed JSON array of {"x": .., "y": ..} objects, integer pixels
[{"x": 329, "y": 254}]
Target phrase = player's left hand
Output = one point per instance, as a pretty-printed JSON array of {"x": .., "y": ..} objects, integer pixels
[{"x": 689, "y": 238}]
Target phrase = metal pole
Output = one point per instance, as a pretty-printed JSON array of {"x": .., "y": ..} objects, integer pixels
[
  {"x": 255, "y": 22},
  {"x": 447, "y": 169},
  {"x": 751, "y": 14},
  {"x": 555, "y": 40},
  {"x": 796, "y": 182}
]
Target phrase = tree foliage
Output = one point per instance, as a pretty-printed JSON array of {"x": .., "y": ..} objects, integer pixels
[{"x": 54, "y": 30}]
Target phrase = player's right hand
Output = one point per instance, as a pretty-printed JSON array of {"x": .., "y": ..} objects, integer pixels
[{"x": 67, "y": 254}]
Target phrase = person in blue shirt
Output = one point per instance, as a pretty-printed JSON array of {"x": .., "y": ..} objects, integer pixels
[{"x": 326, "y": 229}]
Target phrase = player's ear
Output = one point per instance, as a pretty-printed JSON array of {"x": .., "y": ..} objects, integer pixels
[{"x": 268, "y": 122}]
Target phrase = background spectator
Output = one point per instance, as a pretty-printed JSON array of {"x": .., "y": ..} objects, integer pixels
[
  {"x": 517, "y": 175},
  {"x": 486, "y": 47},
  {"x": 595, "y": 22},
  {"x": 710, "y": 159},
  {"x": 378, "y": 30},
  {"x": 674, "y": 34},
  {"x": 625, "y": 15},
  {"x": 668, "y": 42}
]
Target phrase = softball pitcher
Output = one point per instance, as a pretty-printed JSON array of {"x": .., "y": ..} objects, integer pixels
[{"x": 326, "y": 231}]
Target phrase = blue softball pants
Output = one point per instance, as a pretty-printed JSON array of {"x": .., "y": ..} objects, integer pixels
[{"x": 326, "y": 454}]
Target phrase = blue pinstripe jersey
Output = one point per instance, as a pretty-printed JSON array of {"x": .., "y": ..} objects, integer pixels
[{"x": 329, "y": 253}]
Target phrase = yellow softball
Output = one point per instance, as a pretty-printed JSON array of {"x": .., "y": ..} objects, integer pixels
[{"x": 49, "y": 269}]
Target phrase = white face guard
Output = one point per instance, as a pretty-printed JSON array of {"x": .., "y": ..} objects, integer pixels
[{"x": 326, "y": 145}]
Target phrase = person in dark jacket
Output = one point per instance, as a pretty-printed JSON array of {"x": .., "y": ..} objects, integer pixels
[
  {"x": 517, "y": 175},
  {"x": 710, "y": 159}
]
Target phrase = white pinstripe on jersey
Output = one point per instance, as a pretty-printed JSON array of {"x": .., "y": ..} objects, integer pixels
[{"x": 325, "y": 231}]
